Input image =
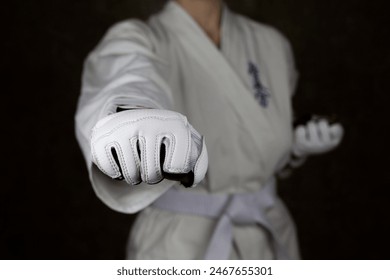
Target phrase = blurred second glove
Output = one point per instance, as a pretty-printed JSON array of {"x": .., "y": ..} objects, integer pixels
[{"x": 316, "y": 137}]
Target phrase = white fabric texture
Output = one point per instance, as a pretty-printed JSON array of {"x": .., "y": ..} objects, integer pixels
[
  {"x": 316, "y": 137},
  {"x": 238, "y": 97},
  {"x": 137, "y": 137}
]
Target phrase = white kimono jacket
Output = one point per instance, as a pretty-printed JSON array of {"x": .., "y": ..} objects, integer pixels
[{"x": 238, "y": 97}]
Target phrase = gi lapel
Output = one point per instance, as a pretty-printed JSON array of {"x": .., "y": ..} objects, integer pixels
[
  {"x": 207, "y": 54},
  {"x": 249, "y": 116}
]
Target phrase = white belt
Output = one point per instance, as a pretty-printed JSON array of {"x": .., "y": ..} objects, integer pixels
[{"x": 228, "y": 209}]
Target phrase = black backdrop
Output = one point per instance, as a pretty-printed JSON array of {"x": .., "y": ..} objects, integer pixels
[{"x": 47, "y": 207}]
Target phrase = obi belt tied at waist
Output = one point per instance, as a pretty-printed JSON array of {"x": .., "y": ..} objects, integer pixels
[{"x": 228, "y": 209}]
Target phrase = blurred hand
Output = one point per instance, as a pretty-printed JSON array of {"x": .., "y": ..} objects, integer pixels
[
  {"x": 148, "y": 145},
  {"x": 316, "y": 137}
]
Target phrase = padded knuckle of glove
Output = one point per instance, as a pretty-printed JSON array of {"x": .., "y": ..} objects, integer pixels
[{"x": 129, "y": 145}]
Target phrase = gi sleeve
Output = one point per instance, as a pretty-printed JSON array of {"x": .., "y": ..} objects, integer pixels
[
  {"x": 123, "y": 70},
  {"x": 292, "y": 71}
]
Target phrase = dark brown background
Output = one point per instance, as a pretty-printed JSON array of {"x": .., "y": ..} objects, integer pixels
[{"x": 339, "y": 201}]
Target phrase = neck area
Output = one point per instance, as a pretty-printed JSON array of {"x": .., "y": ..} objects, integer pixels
[{"x": 207, "y": 13}]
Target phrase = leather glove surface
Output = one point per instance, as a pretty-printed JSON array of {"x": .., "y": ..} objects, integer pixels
[
  {"x": 148, "y": 145},
  {"x": 316, "y": 137}
]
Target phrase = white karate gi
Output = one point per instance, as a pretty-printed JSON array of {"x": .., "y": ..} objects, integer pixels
[{"x": 238, "y": 97}]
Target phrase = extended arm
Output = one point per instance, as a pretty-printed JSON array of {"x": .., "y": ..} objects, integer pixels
[{"x": 123, "y": 72}]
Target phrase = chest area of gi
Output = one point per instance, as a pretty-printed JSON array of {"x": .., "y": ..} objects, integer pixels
[{"x": 237, "y": 96}]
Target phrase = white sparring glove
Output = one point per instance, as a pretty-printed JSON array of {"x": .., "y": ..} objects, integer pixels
[
  {"x": 316, "y": 137},
  {"x": 148, "y": 145}
]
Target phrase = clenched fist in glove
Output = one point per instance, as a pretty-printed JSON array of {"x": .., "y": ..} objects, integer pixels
[
  {"x": 316, "y": 137},
  {"x": 148, "y": 145}
]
